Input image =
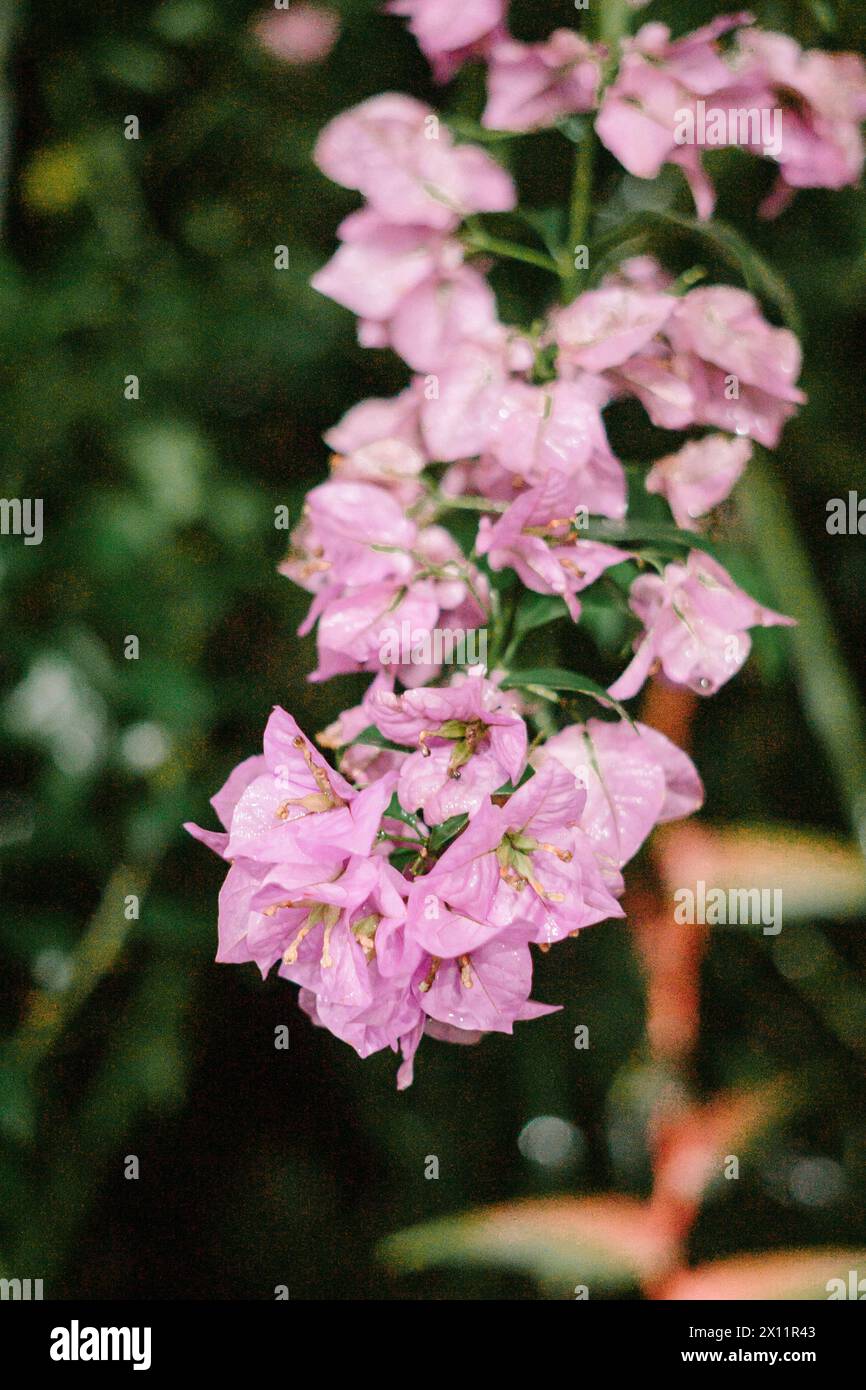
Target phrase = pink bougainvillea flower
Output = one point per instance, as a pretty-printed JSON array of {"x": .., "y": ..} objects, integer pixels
[
  {"x": 441, "y": 313},
  {"x": 354, "y": 623},
  {"x": 657, "y": 81},
  {"x": 331, "y": 927},
  {"x": 391, "y": 463},
  {"x": 551, "y": 878},
  {"x": 410, "y": 288},
  {"x": 742, "y": 369},
  {"x": 362, "y": 763},
  {"x": 469, "y": 743},
  {"x": 379, "y": 263},
  {"x": 530, "y": 86},
  {"x": 634, "y": 777},
  {"x": 724, "y": 326},
  {"x": 456, "y": 419},
  {"x": 699, "y": 476},
  {"x": 604, "y": 328},
  {"x": 822, "y": 99},
  {"x": 246, "y": 935},
  {"x": 525, "y": 863},
  {"x": 696, "y": 623},
  {"x": 663, "y": 382},
  {"x": 377, "y": 419},
  {"x": 224, "y": 802},
  {"x": 394, "y": 151},
  {"x": 300, "y": 35},
  {"x": 497, "y": 854},
  {"x": 538, "y": 538},
  {"x": 536, "y": 429},
  {"x": 298, "y": 805},
  {"x": 360, "y": 531},
  {"x": 486, "y": 991},
  {"x": 392, "y": 1019},
  {"x": 449, "y": 32}
]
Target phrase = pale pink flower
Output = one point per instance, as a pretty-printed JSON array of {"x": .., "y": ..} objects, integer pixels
[
  {"x": 530, "y": 86},
  {"x": 457, "y": 417},
  {"x": 745, "y": 375},
  {"x": 469, "y": 743},
  {"x": 663, "y": 382},
  {"x": 822, "y": 97},
  {"x": 696, "y": 623},
  {"x": 536, "y": 429},
  {"x": 449, "y": 32},
  {"x": 604, "y": 328},
  {"x": 444, "y": 310},
  {"x": 634, "y": 778},
  {"x": 354, "y": 623},
  {"x": 394, "y": 151},
  {"x": 378, "y": 264},
  {"x": 390, "y": 463},
  {"x": 376, "y": 419},
  {"x": 537, "y": 538},
  {"x": 345, "y": 524},
  {"x": 657, "y": 80},
  {"x": 699, "y": 476}
]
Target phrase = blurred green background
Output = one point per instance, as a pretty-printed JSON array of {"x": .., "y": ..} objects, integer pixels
[{"x": 155, "y": 257}]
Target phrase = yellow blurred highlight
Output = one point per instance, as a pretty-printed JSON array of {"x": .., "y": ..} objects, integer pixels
[{"x": 55, "y": 179}]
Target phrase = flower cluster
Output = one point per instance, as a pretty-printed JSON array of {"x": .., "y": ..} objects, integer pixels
[
  {"x": 404, "y": 893},
  {"x": 654, "y": 111}
]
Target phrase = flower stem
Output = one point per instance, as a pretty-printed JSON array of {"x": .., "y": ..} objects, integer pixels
[
  {"x": 476, "y": 239},
  {"x": 580, "y": 208},
  {"x": 467, "y": 503},
  {"x": 610, "y": 21}
]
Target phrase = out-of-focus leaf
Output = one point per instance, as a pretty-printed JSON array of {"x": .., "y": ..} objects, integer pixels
[
  {"x": 607, "y": 1243},
  {"x": 691, "y": 1146},
  {"x": 537, "y": 610},
  {"x": 789, "y": 1274},
  {"x": 817, "y": 874}
]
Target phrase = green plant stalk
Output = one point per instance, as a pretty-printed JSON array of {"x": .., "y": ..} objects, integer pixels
[
  {"x": 830, "y": 698},
  {"x": 579, "y": 212},
  {"x": 477, "y": 240},
  {"x": 95, "y": 956},
  {"x": 608, "y": 23}
]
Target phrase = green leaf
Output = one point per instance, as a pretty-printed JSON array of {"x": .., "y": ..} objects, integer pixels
[
  {"x": 394, "y": 811},
  {"x": 537, "y": 610},
  {"x": 447, "y": 831},
  {"x": 372, "y": 738},
  {"x": 657, "y": 534},
  {"x": 545, "y": 680}
]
